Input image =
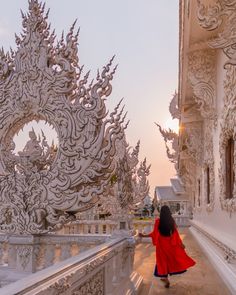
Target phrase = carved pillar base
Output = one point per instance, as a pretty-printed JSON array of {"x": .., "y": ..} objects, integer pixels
[{"x": 23, "y": 253}]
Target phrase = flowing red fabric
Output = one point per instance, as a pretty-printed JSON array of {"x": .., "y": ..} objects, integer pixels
[{"x": 171, "y": 258}]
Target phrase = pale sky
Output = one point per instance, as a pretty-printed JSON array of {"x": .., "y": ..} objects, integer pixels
[{"x": 143, "y": 34}]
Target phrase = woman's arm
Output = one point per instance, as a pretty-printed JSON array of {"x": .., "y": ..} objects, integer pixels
[
  {"x": 141, "y": 235},
  {"x": 153, "y": 235}
]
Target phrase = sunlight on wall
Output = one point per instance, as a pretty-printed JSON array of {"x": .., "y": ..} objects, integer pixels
[{"x": 172, "y": 124}]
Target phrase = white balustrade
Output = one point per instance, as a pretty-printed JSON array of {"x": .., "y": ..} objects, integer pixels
[
  {"x": 105, "y": 269},
  {"x": 144, "y": 226},
  {"x": 89, "y": 227},
  {"x": 33, "y": 253},
  {"x": 181, "y": 220}
]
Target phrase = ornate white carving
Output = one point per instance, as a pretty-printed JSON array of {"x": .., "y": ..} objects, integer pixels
[
  {"x": 41, "y": 81},
  {"x": 187, "y": 175},
  {"x": 220, "y": 15},
  {"x": 140, "y": 183},
  {"x": 129, "y": 184},
  {"x": 191, "y": 141},
  {"x": 62, "y": 285},
  {"x": 173, "y": 107},
  {"x": 24, "y": 253},
  {"x": 170, "y": 138},
  {"x": 201, "y": 73},
  {"x": 229, "y": 254},
  {"x": 227, "y": 131},
  {"x": 93, "y": 286}
]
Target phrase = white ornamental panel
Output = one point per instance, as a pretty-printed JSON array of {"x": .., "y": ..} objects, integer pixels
[{"x": 41, "y": 187}]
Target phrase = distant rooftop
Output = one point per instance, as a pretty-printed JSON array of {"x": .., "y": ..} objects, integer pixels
[
  {"x": 177, "y": 186},
  {"x": 171, "y": 193}
]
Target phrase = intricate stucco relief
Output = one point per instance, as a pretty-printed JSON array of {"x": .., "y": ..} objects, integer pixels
[
  {"x": 172, "y": 144},
  {"x": 129, "y": 184},
  {"x": 229, "y": 253},
  {"x": 140, "y": 183},
  {"x": 93, "y": 286},
  {"x": 173, "y": 107},
  {"x": 42, "y": 81},
  {"x": 24, "y": 254},
  {"x": 191, "y": 141},
  {"x": 227, "y": 131},
  {"x": 186, "y": 173},
  {"x": 201, "y": 73},
  {"x": 61, "y": 286},
  {"x": 228, "y": 111},
  {"x": 221, "y": 15}
]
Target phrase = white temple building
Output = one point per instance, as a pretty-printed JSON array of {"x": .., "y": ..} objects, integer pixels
[
  {"x": 205, "y": 156},
  {"x": 174, "y": 196}
]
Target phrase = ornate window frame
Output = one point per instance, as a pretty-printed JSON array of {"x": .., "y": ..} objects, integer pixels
[
  {"x": 228, "y": 204},
  {"x": 209, "y": 165},
  {"x": 194, "y": 200},
  {"x": 198, "y": 193}
]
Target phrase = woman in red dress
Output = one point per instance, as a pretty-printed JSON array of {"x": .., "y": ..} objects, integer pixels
[{"x": 171, "y": 257}]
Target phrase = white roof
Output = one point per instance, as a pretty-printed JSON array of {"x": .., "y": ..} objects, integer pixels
[
  {"x": 177, "y": 186},
  {"x": 167, "y": 193}
]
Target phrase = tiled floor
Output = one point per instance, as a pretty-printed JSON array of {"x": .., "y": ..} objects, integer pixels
[{"x": 201, "y": 279}]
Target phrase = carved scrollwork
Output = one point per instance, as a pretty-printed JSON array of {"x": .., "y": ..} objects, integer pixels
[
  {"x": 93, "y": 286},
  {"x": 191, "y": 142},
  {"x": 61, "y": 286},
  {"x": 42, "y": 80},
  {"x": 222, "y": 14},
  {"x": 201, "y": 75},
  {"x": 173, "y": 107},
  {"x": 229, "y": 253},
  {"x": 186, "y": 173},
  {"x": 24, "y": 253},
  {"x": 129, "y": 184},
  {"x": 140, "y": 183},
  {"x": 171, "y": 138},
  {"x": 227, "y": 131}
]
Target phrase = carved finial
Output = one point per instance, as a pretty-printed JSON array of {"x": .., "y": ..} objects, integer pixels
[
  {"x": 173, "y": 107},
  {"x": 98, "y": 75}
]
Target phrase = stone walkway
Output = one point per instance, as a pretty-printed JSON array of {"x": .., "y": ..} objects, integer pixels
[{"x": 201, "y": 279}]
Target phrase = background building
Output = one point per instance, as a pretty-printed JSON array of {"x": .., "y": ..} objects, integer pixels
[{"x": 207, "y": 102}]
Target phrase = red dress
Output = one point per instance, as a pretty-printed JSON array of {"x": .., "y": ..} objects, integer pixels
[{"x": 171, "y": 258}]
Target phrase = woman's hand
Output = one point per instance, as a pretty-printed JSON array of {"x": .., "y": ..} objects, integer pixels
[{"x": 141, "y": 235}]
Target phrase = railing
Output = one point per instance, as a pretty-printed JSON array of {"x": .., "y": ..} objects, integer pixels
[
  {"x": 228, "y": 253},
  {"x": 144, "y": 226},
  {"x": 89, "y": 227},
  {"x": 4, "y": 247},
  {"x": 147, "y": 225},
  {"x": 105, "y": 269},
  {"x": 33, "y": 253},
  {"x": 181, "y": 220},
  {"x": 101, "y": 227}
]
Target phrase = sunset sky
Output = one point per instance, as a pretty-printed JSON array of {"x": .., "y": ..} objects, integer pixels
[{"x": 144, "y": 37}]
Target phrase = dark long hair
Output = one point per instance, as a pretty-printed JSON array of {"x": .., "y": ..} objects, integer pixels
[{"x": 167, "y": 223}]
